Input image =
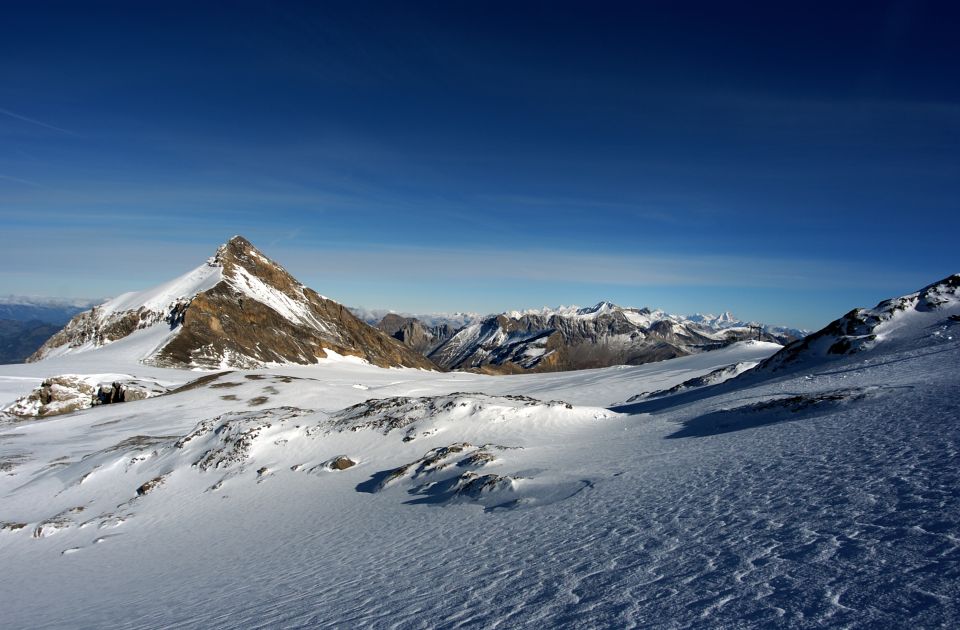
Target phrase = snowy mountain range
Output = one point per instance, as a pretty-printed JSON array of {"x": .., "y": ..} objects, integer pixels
[
  {"x": 570, "y": 338},
  {"x": 240, "y": 309},
  {"x": 815, "y": 489},
  {"x": 456, "y": 320}
]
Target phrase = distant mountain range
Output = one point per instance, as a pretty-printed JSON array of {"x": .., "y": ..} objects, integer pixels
[
  {"x": 569, "y": 337},
  {"x": 42, "y": 309},
  {"x": 26, "y": 322}
]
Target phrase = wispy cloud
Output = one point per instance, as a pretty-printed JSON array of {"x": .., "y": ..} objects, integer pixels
[
  {"x": 286, "y": 236},
  {"x": 34, "y": 121},
  {"x": 25, "y": 182},
  {"x": 403, "y": 263}
]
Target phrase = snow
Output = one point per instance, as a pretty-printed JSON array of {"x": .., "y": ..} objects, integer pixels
[
  {"x": 645, "y": 317},
  {"x": 824, "y": 496},
  {"x": 289, "y": 308},
  {"x": 576, "y": 312},
  {"x": 161, "y": 297}
]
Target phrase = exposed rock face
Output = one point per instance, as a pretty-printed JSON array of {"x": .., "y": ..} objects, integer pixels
[
  {"x": 600, "y": 336},
  {"x": 240, "y": 309},
  {"x": 415, "y": 334}
]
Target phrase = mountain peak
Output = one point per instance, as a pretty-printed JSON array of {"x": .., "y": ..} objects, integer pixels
[
  {"x": 236, "y": 247},
  {"x": 599, "y": 307},
  {"x": 240, "y": 309}
]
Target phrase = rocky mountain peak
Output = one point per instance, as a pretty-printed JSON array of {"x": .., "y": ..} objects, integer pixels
[
  {"x": 239, "y": 309},
  {"x": 601, "y": 307},
  {"x": 238, "y": 256}
]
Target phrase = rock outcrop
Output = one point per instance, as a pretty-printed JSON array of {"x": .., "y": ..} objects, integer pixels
[{"x": 67, "y": 393}]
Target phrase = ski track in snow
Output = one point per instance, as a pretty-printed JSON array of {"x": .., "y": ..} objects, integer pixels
[{"x": 845, "y": 514}]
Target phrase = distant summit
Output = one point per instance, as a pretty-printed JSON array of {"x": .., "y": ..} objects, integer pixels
[{"x": 239, "y": 309}]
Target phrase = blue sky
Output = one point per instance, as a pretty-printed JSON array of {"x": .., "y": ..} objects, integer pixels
[{"x": 784, "y": 162}]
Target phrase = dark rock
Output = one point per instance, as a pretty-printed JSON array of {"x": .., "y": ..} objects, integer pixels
[
  {"x": 341, "y": 463},
  {"x": 150, "y": 485}
]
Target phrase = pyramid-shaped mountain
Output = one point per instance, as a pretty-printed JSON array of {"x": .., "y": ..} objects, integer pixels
[{"x": 239, "y": 309}]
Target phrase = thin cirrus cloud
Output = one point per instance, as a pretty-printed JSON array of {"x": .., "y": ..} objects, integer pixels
[
  {"x": 19, "y": 180},
  {"x": 573, "y": 267},
  {"x": 34, "y": 121}
]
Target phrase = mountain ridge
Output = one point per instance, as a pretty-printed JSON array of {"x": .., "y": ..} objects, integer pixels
[
  {"x": 896, "y": 320},
  {"x": 573, "y": 337}
]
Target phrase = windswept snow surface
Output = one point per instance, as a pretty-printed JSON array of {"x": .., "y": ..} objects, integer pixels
[
  {"x": 161, "y": 297},
  {"x": 826, "y": 496}
]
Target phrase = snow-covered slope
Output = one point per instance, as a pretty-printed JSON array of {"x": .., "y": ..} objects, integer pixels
[
  {"x": 162, "y": 298},
  {"x": 342, "y": 494},
  {"x": 912, "y": 320},
  {"x": 238, "y": 309},
  {"x": 119, "y": 317}
]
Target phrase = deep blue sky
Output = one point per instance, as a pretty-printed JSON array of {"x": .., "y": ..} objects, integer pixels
[{"x": 787, "y": 161}]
